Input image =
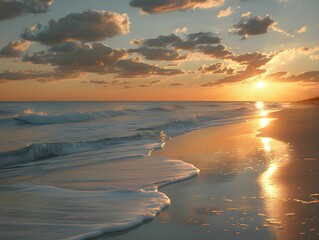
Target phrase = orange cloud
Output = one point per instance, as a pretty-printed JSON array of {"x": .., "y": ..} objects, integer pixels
[
  {"x": 159, "y": 6},
  {"x": 225, "y": 13}
]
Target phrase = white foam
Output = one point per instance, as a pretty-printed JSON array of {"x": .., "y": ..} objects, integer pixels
[{"x": 78, "y": 207}]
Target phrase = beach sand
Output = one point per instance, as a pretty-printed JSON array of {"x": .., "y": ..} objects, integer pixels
[{"x": 249, "y": 187}]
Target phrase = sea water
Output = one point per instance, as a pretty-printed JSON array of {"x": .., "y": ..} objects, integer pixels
[{"x": 73, "y": 170}]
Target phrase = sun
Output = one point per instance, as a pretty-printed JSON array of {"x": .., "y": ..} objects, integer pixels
[{"x": 260, "y": 84}]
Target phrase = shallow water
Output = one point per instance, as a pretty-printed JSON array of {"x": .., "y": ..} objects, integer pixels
[{"x": 84, "y": 168}]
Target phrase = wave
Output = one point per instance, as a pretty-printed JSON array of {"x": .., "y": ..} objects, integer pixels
[
  {"x": 175, "y": 124},
  {"x": 167, "y": 108},
  {"x": 179, "y": 126},
  {"x": 273, "y": 105},
  {"x": 42, "y": 151},
  {"x": 243, "y": 109},
  {"x": 32, "y": 117}
]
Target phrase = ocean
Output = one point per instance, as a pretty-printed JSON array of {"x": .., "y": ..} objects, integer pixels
[{"x": 74, "y": 170}]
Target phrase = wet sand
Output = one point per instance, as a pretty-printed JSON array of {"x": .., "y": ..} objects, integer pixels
[
  {"x": 296, "y": 181},
  {"x": 249, "y": 187}
]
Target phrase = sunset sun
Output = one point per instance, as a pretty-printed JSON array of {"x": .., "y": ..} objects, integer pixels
[{"x": 260, "y": 84}]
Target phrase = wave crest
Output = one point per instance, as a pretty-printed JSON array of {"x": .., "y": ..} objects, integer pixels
[
  {"x": 32, "y": 117},
  {"x": 41, "y": 151}
]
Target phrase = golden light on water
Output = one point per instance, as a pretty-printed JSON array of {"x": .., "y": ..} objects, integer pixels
[
  {"x": 260, "y": 105},
  {"x": 275, "y": 156},
  {"x": 266, "y": 144},
  {"x": 263, "y": 113},
  {"x": 264, "y": 122},
  {"x": 270, "y": 189}
]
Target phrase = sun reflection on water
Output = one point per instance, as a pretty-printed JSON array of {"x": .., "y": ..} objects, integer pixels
[
  {"x": 275, "y": 154},
  {"x": 264, "y": 122},
  {"x": 260, "y": 105},
  {"x": 263, "y": 113},
  {"x": 266, "y": 144}
]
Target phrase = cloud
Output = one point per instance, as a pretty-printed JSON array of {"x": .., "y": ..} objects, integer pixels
[
  {"x": 98, "y": 82},
  {"x": 180, "y": 30},
  {"x": 225, "y": 13},
  {"x": 88, "y": 26},
  {"x": 70, "y": 57},
  {"x": 246, "y": 14},
  {"x": 282, "y": 31},
  {"x": 215, "y": 51},
  {"x": 193, "y": 40},
  {"x": 155, "y": 81},
  {"x": 95, "y": 57},
  {"x": 14, "y": 48},
  {"x": 239, "y": 77},
  {"x": 177, "y": 84},
  {"x": 302, "y": 29},
  {"x": 215, "y": 68},
  {"x": 14, "y": 8},
  {"x": 129, "y": 68},
  {"x": 42, "y": 76},
  {"x": 252, "y": 62},
  {"x": 275, "y": 76},
  {"x": 311, "y": 76},
  {"x": 159, "y": 54},
  {"x": 252, "y": 25},
  {"x": 160, "y": 41},
  {"x": 167, "y": 47},
  {"x": 159, "y": 6}
]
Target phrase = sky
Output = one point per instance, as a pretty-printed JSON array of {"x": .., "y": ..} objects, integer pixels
[{"x": 159, "y": 50}]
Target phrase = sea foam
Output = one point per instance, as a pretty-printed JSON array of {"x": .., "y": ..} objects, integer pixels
[{"x": 81, "y": 211}]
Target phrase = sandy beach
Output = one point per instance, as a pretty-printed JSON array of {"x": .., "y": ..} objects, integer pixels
[{"x": 253, "y": 184}]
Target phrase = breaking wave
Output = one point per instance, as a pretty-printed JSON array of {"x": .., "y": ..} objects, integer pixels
[
  {"x": 41, "y": 151},
  {"x": 30, "y": 116}
]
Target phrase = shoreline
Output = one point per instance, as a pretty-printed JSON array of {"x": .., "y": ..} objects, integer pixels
[{"x": 199, "y": 212}]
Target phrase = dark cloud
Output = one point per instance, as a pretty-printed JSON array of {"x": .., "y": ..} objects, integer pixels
[
  {"x": 215, "y": 68},
  {"x": 42, "y": 76},
  {"x": 215, "y": 51},
  {"x": 252, "y": 25},
  {"x": 239, "y": 77},
  {"x": 160, "y": 41},
  {"x": 144, "y": 85},
  {"x": 159, "y": 54},
  {"x": 14, "y": 8},
  {"x": 98, "y": 82},
  {"x": 252, "y": 62},
  {"x": 131, "y": 68},
  {"x": 95, "y": 57},
  {"x": 177, "y": 84},
  {"x": 88, "y": 26},
  {"x": 194, "y": 40},
  {"x": 166, "y": 47},
  {"x": 191, "y": 42},
  {"x": 155, "y": 81},
  {"x": 14, "y": 48},
  {"x": 159, "y": 6}
]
